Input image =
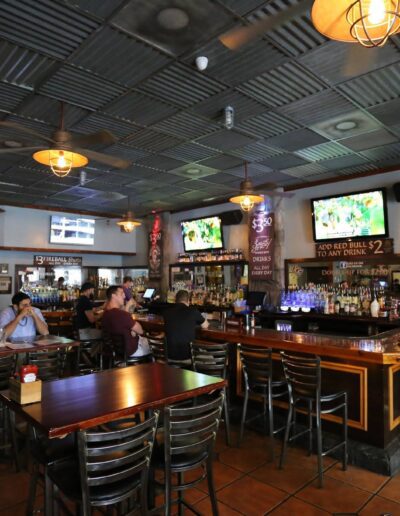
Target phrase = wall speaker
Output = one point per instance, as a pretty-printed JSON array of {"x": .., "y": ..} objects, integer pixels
[
  {"x": 230, "y": 218},
  {"x": 396, "y": 190}
]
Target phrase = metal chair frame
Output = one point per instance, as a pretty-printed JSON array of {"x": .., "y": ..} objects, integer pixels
[
  {"x": 257, "y": 372},
  {"x": 49, "y": 363},
  {"x": 303, "y": 375},
  {"x": 212, "y": 358},
  {"x": 7, "y": 425}
]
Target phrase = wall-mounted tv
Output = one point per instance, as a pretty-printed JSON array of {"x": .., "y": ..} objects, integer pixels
[
  {"x": 350, "y": 215},
  {"x": 202, "y": 234},
  {"x": 71, "y": 230}
]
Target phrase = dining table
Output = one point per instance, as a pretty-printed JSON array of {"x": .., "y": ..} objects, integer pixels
[{"x": 35, "y": 343}]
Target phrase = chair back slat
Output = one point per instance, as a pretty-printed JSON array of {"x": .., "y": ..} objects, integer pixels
[
  {"x": 303, "y": 374},
  {"x": 158, "y": 348},
  {"x": 210, "y": 358},
  {"x": 7, "y": 365},
  {"x": 48, "y": 363},
  {"x": 256, "y": 364}
]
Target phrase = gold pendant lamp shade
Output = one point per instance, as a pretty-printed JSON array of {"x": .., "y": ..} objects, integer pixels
[
  {"x": 60, "y": 161},
  {"x": 368, "y": 22},
  {"x": 128, "y": 223},
  {"x": 247, "y": 197}
]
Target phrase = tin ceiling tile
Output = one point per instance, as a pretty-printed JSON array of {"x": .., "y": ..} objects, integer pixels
[
  {"x": 169, "y": 178},
  {"x": 118, "y": 57},
  {"x": 151, "y": 140},
  {"x": 383, "y": 152},
  {"x": 192, "y": 195},
  {"x": 242, "y": 7},
  {"x": 284, "y": 161},
  {"x": 181, "y": 85},
  {"x": 323, "y": 151},
  {"x": 267, "y": 124},
  {"x": 335, "y": 62},
  {"x": 369, "y": 140},
  {"x": 351, "y": 123},
  {"x": 253, "y": 170},
  {"x": 222, "y": 162},
  {"x": 98, "y": 121},
  {"x": 254, "y": 152},
  {"x": 160, "y": 162},
  {"x": 94, "y": 7},
  {"x": 343, "y": 162},
  {"x": 295, "y": 140},
  {"x": 304, "y": 170},
  {"x": 360, "y": 169},
  {"x": 317, "y": 108},
  {"x": 139, "y": 108},
  {"x": 244, "y": 107},
  {"x": 322, "y": 176},
  {"x": 80, "y": 88},
  {"x": 387, "y": 113},
  {"x": 190, "y": 152},
  {"x": 194, "y": 171},
  {"x": 374, "y": 88},
  {"x": 126, "y": 152},
  {"x": 47, "y": 110},
  {"x": 45, "y": 26},
  {"x": 225, "y": 140},
  {"x": 11, "y": 96},
  {"x": 186, "y": 126},
  {"x": 282, "y": 85}
]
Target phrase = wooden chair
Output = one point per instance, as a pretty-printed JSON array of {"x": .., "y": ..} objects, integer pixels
[{"x": 60, "y": 323}]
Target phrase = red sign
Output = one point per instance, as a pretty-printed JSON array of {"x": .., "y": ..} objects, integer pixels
[
  {"x": 261, "y": 255},
  {"x": 155, "y": 250}
]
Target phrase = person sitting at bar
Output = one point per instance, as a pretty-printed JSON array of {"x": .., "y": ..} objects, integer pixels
[
  {"x": 130, "y": 302},
  {"x": 61, "y": 283},
  {"x": 117, "y": 321},
  {"x": 86, "y": 314},
  {"x": 180, "y": 321},
  {"x": 22, "y": 320}
]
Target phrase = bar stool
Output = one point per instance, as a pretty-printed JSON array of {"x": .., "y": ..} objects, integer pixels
[
  {"x": 257, "y": 371},
  {"x": 157, "y": 346},
  {"x": 89, "y": 354},
  {"x": 212, "y": 359},
  {"x": 303, "y": 375},
  {"x": 116, "y": 345}
]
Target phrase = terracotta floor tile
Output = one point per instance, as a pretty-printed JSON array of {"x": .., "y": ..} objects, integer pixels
[
  {"x": 379, "y": 505},
  {"x": 13, "y": 489},
  {"x": 244, "y": 459},
  {"x": 295, "y": 507},
  {"x": 251, "y": 497},
  {"x": 290, "y": 479},
  {"x": 223, "y": 476},
  {"x": 20, "y": 508},
  {"x": 335, "y": 496},
  {"x": 391, "y": 490},
  {"x": 300, "y": 455},
  {"x": 358, "y": 477},
  {"x": 205, "y": 508}
]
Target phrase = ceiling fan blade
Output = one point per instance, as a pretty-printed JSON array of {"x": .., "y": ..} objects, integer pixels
[
  {"x": 13, "y": 150},
  {"x": 22, "y": 128},
  {"x": 102, "y": 137},
  {"x": 276, "y": 193},
  {"x": 239, "y": 36},
  {"x": 104, "y": 158},
  {"x": 360, "y": 60}
]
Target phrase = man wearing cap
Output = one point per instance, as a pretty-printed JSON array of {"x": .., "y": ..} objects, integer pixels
[
  {"x": 22, "y": 320},
  {"x": 86, "y": 314}
]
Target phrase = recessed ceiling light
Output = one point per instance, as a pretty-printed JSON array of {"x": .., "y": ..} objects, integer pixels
[
  {"x": 193, "y": 171},
  {"x": 347, "y": 125},
  {"x": 173, "y": 18}
]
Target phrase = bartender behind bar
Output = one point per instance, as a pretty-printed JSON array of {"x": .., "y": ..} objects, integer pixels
[{"x": 22, "y": 320}]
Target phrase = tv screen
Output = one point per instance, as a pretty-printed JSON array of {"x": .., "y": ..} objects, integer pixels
[
  {"x": 353, "y": 215},
  {"x": 149, "y": 293},
  {"x": 202, "y": 234},
  {"x": 71, "y": 230}
]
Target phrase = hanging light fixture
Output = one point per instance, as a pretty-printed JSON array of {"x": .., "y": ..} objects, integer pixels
[
  {"x": 247, "y": 198},
  {"x": 368, "y": 22},
  {"x": 128, "y": 223}
]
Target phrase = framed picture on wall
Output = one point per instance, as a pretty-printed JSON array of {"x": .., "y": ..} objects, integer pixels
[
  {"x": 5, "y": 285},
  {"x": 3, "y": 268}
]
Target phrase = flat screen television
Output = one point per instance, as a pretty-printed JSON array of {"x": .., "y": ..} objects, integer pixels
[
  {"x": 71, "y": 230},
  {"x": 202, "y": 234},
  {"x": 149, "y": 293},
  {"x": 351, "y": 215}
]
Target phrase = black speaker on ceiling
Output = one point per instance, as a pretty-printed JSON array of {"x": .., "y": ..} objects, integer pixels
[
  {"x": 396, "y": 191},
  {"x": 230, "y": 218}
]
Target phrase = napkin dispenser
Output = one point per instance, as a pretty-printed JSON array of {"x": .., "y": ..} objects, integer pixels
[{"x": 24, "y": 393}]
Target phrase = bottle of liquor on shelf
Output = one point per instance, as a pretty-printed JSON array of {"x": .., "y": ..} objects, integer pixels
[{"x": 374, "y": 307}]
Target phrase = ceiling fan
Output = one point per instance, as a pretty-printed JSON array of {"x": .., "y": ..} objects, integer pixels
[{"x": 64, "y": 150}]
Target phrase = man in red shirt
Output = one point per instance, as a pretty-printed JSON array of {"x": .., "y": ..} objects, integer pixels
[{"x": 116, "y": 321}]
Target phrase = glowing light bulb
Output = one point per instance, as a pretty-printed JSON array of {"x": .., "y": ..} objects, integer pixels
[
  {"x": 376, "y": 12},
  {"x": 60, "y": 165},
  {"x": 246, "y": 203},
  {"x": 129, "y": 226}
]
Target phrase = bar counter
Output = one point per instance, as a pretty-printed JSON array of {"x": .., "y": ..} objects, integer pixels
[{"x": 368, "y": 368}]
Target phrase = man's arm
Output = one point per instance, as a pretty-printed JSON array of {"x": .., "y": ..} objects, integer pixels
[
  {"x": 9, "y": 325},
  {"x": 91, "y": 316},
  {"x": 137, "y": 328},
  {"x": 40, "y": 323}
]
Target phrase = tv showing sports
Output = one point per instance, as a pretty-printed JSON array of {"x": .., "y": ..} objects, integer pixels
[
  {"x": 353, "y": 215},
  {"x": 202, "y": 234},
  {"x": 71, "y": 230}
]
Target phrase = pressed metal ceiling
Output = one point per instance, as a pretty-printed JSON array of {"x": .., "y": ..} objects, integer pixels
[{"x": 117, "y": 67}]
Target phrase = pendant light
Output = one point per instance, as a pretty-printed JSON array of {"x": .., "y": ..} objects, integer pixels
[
  {"x": 247, "y": 198},
  {"x": 128, "y": 223},
  {"x": 368, "y": 22}
]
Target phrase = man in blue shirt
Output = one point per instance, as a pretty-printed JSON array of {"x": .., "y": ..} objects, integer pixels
[{"x": 22, "y": 320}]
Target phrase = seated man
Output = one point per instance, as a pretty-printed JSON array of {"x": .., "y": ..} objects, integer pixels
[
  {"x": 22, "y": 320},
  {"x": 130, "y": 303},
  {"x": 86, "y": 314},
  {"x": 116, "y": 321},
  {"x": 180, "y": 327}
]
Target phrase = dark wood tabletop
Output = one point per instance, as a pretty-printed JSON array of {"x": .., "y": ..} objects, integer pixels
[
  {"x": 80, "y": 402},
  {"x": 37, "y": 343},
  {"x": 383, "y": 348}
]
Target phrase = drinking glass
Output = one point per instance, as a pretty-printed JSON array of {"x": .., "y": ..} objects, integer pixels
[{"x": 2, "y": 336}]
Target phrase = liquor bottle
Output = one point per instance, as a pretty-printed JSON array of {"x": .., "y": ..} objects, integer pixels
[
  {"x": 337, "y": 304},
  {"x": 374, "y": 307}
]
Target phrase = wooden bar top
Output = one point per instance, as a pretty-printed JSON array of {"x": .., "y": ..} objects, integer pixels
[
  {"x": 79, "y": 402},
  {"x": 383, "y": 348}
]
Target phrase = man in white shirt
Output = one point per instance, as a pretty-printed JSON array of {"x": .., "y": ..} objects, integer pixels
[{"x": 22, "y": 320}]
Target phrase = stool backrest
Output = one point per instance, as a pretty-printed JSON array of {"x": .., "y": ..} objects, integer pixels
[
  {"x": 191, "y": 431},
  {"x": 7, "y": 365},
  {"x": 303, "y": 374},
  {"x": 256, "y": 364},
  {"x": 210, "y": 358},
  {"x": 157, "y": 346},
  {"x": 48, "y": 363},
  {"x": 110, "y": 458}
]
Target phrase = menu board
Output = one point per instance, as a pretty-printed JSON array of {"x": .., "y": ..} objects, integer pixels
[{"x": 261, "y": 248}]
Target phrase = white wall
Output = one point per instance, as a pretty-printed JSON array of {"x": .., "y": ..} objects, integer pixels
[{"x": 299, "y": 241}]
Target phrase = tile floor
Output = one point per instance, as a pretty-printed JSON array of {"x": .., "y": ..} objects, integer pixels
[{"x": 247, "y": 483}]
